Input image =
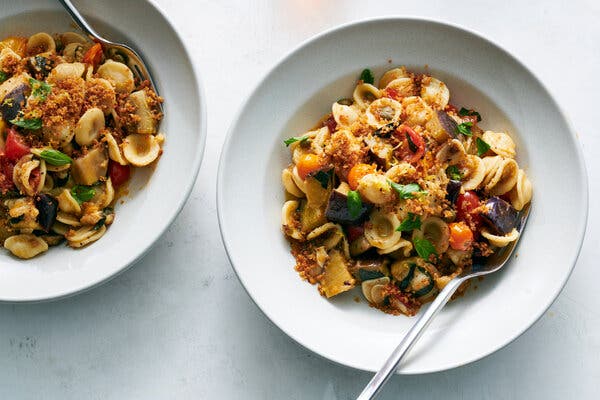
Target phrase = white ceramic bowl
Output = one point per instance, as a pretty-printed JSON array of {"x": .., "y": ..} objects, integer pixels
[
  {"x": 155, "y": 198},
  {"x": 299, "y": 90}
]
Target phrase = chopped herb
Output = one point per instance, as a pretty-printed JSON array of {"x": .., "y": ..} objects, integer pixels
[
  {"x": 55, "y": 157},
  {"x": 28, "y": 123},
  {"x": 323, "y": 178},
  {"x": 453, "y": 173},
  {"x": 411, "y": 145},
  {"x": 82, "y": 193},
  {"x": 367, "y": 274},
  {"x": 407, "y": 191},
  {"x": 3, "y": 76},
  {"x": 39, "y": 89},
  {"x": 464, "y": 112},
  {"x": 482, "y": 147},
  {"x": 465, "y": 128},
  {"x": 411, "y": 222},
  {"x": 367, "y": 76},
  {"x": 355, "y": 204},
  {"x": 301, "y": 139},
  {"x": 99, "y": 224},
  {"x": 424, "y": 248}
]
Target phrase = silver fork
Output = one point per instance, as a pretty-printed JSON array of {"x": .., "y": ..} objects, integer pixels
[
  {"x": 493, "y": 264},
  {"x": 114, "y": 50}
]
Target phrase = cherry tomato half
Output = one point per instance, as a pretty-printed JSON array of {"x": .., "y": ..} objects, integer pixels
[
  {"x": 119, "y": 174},
  {"x": 466, "y": 204},
  {"x": 15, "y": 146},
  {"x": 413, "y": 145}
]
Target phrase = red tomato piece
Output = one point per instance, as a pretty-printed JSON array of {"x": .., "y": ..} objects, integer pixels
[
  {"x": 413, "y": 145},
  {"x": 15, "y": 146},
  {"x": 93, "y": 55},
  {"x": 354, "y": 232},
  {"x": 465, "y": 209},
  {"x": 330, "y": 124},
  {"x": 119, "y": 174},
  {"x": 392, "y": 94}
]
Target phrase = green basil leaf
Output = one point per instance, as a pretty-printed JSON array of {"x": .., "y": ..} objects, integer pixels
[
  {"x": 411, "y": 222},
  {"x": 367, "y": 76},
  {"x": 407, "y": 191},
  {"x": 482, "y": 147},
  {"x": 3, "y": 76},
  {"x": 424, "y": 248},
  {"x": 55, "y": 157},
  {"x": 82, "y": 193},
  {"x": 323, "y": 178},
  {"x": 31, "y": 124},
  {"x": 39, "y": 89},
  {"x": 453, "y": 173},
  {"x": 465, "y": 128},
  {"x": 355, "y": 204},
  {"x": 464, "y": 112},
  {"x": 291, "y": 140}
]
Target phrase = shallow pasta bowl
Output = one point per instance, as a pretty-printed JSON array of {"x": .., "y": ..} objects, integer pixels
[
  {"x": 299, "y": 90},
  {"x": 156, "y": 195}
]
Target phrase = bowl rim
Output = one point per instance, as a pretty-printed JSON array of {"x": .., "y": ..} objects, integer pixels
[
  {"x": 197, "y": 162},
  {"x": 580, "y": 162}
]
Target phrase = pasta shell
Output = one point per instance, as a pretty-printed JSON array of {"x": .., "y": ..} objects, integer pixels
[
  {"x": 67, "y": 219},
  {"x": 140, "y": 150},
  {"x": 436, "y": 231},
  {"x": 500, "y": 143},
  {"x": 364, "y": 94},
  {"x": 344, "y": 115},
  {"x": 380, "y": 231},
  {"x": 376, "y": 189},
  {"x": 89, "y": 126},
  {"x": 403, "y": 247},
  {"x": 25, "y": 245},
  {"x": 104, "y": 195},
  {"x": 382, "y": 150},
  {"x": 65, "y": 71},
  {"x": 417, "y": 111},
  {"x": 501, "y": 175},
  {"x": 67, "y": 38},
  {"x": 400, "y": 171},
  {"x": 74, "y": 52},
  {"x": 300, "y": 183},
  {"x": 367, "y": 286},
  {"x": 392, "y": 75},
  {"x": 60, "y": 228},
  {"x": 435, "y": 92},
  {"x": 334, "y": 237},
  {"x": 22, "y": 175},
  {"x": 402, "y": 87},
  {"x": 521, "y": 194},
  {"x": 289, "y": 221},
  {"x": 84, "y": 235},
  {"x": 289, "y": 185},
  {"x": 336, "y": 277},
  {"x": 382, "y": 112},
  {"x": 114, "y": 151},
  {"x": 500, "y": 241},
  {"x": 67, "y": 203},
  {"x": 118, "y": 74},
  {"x": 474, "y": 172},
  {"x": 146, "y": 121},
  {"x": 40, "y": 43},
  {"x": 8, "y": 57},
  {"x": 452, "y": 153}
]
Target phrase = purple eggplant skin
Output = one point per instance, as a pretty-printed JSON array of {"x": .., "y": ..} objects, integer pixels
[
  {"x": 449, "y": 125},
  {"x": 14, "y": 102},
  {"x": 337, "y": 210},
  {"x": 453, "y": 190},
  {"x": 48, "y": 207},
  {"x": 500, "y": 216}
]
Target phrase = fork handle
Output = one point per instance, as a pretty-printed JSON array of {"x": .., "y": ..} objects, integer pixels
[
  {"x": 386, "y": 371},
  {"x": 79, "y": 20}
]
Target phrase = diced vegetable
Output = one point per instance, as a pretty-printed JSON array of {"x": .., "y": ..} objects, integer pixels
[
  {"x": 89, "y": 168},
  {"x": 447, "y": 123},
  {"x": 308, "y": 164},
  {"x": 354, "y": 232},
  {"x": 14, "y": 102},
  {"x": 94, "y": 55},
  {"x": 500, "y": 216},
  {"x": 466, "y": 204},
  {"x": 453, "y": 190},
  {"x": 336, "y": 277},
  {"x": 15, "y": 146},
  {"x": 338, "y": 211},
  {"x": 357, "y": 172},
  {"x": 119, "y": 174},
  {"x": 324, "y": 177},
  {"x": 461, "y": 236},
  {"x": 412, "y": 147},
  {"x": 47, "y": 207},
  {"x": 40, "y": 66}
]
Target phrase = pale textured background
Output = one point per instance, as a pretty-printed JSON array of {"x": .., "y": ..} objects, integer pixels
[{"x": 179, "y": 325}]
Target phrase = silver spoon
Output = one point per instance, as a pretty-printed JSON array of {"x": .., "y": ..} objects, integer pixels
[
  {"x": 133, "y": 60},
  {"x": 493, "y": 264}
]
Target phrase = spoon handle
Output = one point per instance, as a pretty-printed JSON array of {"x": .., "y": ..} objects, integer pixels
[
  {"x": 78, "y": 18},
  {"x": 386, "y": 371}
]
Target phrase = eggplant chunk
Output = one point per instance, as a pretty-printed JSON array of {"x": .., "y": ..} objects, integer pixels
[
  {"x": 500, "y": 216},
  {"x": 337, "y": 209},
  {"x": 88, "y": 169},
  {"x": 14, "y": 102},
  {"x": 47, "y": 207},
  {"x": 447, "y": 123},
  {"x": 453, "y": 190}
]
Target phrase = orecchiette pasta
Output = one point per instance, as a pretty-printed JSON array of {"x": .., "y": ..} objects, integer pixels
[
  {"x": 74, "y": 124},
  {"x": 398, "y": 190}
]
